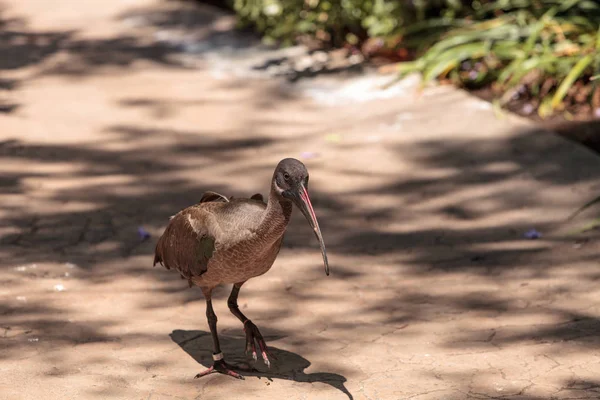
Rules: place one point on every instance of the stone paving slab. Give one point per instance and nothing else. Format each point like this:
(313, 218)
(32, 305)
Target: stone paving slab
(423, 198)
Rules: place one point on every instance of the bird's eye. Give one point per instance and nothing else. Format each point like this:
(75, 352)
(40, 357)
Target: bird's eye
(286, 176)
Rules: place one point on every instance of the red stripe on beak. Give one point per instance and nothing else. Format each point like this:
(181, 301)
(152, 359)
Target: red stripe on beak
(306, 199)
(309, 213)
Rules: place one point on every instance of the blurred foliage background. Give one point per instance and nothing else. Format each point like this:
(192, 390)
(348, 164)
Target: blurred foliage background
(528, 55)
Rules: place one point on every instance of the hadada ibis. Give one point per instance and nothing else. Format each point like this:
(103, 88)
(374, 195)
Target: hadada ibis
(224, 240)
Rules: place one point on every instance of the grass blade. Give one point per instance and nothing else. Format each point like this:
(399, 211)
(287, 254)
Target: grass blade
(584, 207)
(587, 227)
(566, 84)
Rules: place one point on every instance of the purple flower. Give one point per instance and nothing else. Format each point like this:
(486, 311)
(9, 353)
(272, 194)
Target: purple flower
(532, 234)
(144, 235)
(528, 108)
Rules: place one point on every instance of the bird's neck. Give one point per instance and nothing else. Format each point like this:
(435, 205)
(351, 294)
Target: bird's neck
(276, 217)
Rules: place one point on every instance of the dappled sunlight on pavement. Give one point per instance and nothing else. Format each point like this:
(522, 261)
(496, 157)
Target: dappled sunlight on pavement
(423, 200)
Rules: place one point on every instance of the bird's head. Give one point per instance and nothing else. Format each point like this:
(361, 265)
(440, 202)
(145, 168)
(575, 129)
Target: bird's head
(290, 181)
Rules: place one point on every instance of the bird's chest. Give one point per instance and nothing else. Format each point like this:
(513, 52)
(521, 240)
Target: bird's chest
(245, 260)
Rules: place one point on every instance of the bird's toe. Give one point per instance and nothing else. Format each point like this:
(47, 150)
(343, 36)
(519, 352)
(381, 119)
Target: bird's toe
(253, 337)
(226, 369)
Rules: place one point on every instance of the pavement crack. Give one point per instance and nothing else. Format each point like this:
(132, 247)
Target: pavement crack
(414, 396)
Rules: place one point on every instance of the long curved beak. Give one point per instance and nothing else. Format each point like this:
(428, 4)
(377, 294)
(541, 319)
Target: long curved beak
(303, 202)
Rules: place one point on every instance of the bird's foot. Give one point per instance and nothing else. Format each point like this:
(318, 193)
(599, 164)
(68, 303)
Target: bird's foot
(253, 335)
(220, 366)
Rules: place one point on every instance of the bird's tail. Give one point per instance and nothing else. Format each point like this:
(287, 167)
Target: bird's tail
(157, 255)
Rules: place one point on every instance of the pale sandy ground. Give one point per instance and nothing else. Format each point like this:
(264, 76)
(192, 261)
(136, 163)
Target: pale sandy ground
(423, 201)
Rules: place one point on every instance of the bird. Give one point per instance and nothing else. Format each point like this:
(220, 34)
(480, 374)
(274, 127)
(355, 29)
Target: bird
(222, 240)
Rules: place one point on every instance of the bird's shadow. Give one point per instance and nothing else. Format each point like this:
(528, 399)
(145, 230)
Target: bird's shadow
(287, 365)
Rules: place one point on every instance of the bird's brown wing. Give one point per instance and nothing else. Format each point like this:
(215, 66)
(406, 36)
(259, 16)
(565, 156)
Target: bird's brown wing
(213, 196)
(210, 196)
(258, 197)
(186, 245)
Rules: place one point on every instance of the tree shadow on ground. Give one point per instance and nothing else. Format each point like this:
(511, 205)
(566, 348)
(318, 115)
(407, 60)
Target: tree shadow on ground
(287, 365)
(461, 182)
(169, 24)
(488, 173)
(348, 228)
(6, 86)
(80, 56)
(584, 132)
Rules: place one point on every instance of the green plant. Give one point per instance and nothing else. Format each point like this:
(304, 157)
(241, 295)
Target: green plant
(546, 52)
(543, 48)
(336, 21)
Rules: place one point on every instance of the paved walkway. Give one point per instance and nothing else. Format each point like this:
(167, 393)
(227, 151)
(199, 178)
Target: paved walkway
(109, 122)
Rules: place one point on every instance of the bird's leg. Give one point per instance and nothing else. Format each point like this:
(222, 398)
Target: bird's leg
(252, 332)
(219, 364)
